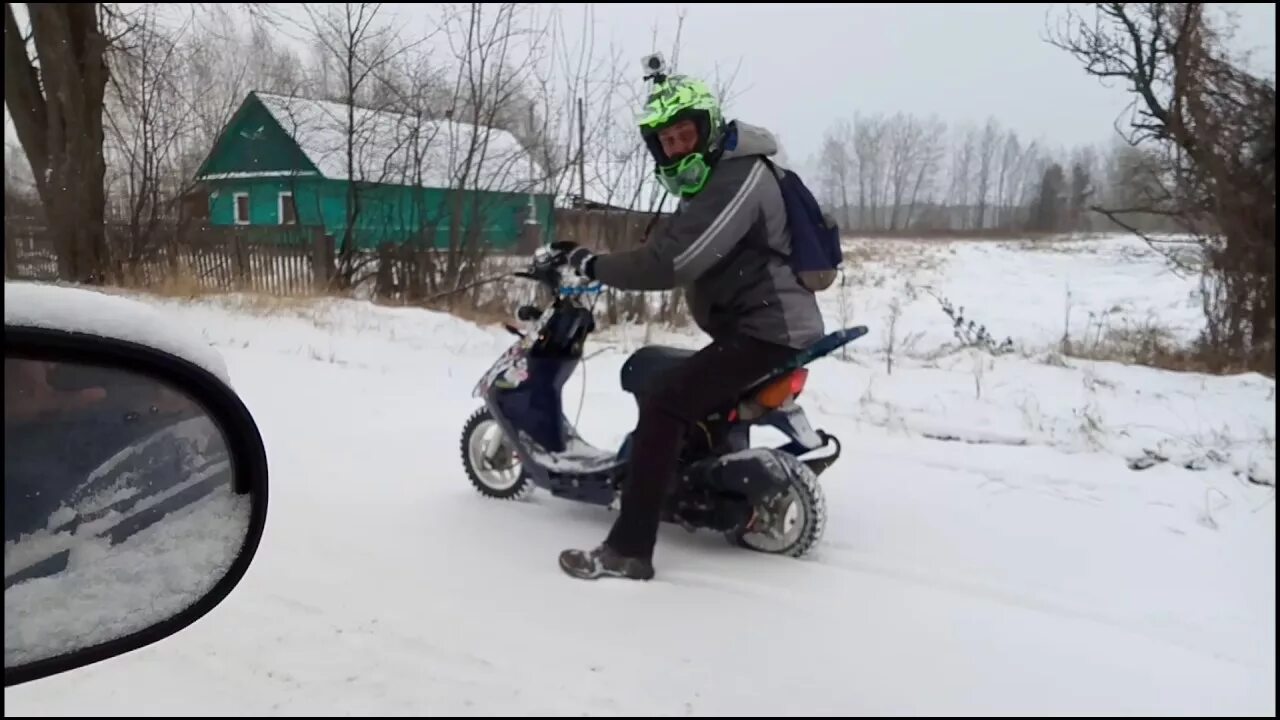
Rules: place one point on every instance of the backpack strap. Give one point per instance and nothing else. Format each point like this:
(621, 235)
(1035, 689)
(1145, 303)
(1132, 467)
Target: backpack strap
(773, 170)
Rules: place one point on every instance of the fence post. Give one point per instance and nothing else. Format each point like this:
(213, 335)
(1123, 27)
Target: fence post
(171, 249)
(321, 258)
(385, 282)
(416, 264)
(241, 260)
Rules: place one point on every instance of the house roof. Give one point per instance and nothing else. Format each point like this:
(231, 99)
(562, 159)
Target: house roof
(385, 142)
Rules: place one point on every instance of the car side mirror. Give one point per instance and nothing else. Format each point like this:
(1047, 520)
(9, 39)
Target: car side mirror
(135, 496)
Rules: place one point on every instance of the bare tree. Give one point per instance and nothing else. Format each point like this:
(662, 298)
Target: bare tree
(905, 137)
(963, 154)
(1082, 187)
(987, 146)
(1030, 170)
(147, 120)
(495, 49)
(1211, 125)
(868, 144)
(358, 45)
(928, 162)
(495, 131)
(1006, 182)
(836, 168)
(590, 142)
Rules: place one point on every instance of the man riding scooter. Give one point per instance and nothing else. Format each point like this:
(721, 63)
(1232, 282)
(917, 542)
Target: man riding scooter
(728, 247)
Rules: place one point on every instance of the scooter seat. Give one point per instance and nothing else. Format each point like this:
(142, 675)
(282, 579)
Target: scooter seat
(648, 364)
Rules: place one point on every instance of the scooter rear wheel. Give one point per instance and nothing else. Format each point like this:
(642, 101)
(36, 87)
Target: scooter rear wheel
(792, 523)
(491, 462)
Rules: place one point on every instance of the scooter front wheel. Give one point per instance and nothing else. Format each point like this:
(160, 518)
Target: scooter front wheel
(490, 459)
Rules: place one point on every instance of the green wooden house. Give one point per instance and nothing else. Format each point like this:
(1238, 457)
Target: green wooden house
(287, 161)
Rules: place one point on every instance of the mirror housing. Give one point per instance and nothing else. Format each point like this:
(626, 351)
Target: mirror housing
(183, 492)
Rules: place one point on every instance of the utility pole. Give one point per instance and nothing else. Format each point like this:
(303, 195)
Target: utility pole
(582, 153)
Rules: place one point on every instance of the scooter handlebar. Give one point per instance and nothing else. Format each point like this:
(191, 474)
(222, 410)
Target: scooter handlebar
(549, 269)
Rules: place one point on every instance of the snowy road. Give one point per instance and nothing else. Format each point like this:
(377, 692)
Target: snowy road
(1035, 574)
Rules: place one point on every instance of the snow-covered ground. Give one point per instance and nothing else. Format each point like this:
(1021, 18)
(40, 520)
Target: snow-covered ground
(990, 551)
(1030, 291)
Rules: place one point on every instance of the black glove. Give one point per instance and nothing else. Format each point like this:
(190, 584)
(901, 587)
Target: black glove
(579, 258)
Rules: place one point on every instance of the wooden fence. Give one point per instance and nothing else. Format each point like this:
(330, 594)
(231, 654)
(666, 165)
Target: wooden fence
(302, 260)
(263, 260)
(273, 260)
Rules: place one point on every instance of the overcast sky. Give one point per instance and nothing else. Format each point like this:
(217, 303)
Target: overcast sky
(803, 65)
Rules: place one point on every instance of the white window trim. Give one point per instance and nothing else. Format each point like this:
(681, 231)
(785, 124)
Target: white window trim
(235, 208)
(280, 196)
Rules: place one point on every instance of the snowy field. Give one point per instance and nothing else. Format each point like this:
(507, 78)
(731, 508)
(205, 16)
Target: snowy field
(1031, 291)
(990, 549)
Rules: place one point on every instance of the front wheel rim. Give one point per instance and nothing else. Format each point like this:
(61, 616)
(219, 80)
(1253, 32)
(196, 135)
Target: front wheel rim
(492, 457)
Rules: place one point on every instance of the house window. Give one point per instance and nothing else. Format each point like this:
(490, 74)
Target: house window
(241, 201)
(285, 209)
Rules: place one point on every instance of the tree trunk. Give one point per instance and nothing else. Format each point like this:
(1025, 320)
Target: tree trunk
(60, 126)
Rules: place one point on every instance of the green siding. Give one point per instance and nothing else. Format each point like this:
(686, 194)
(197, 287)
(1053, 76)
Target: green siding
(254, 143)
(387, 213)
(264, 204)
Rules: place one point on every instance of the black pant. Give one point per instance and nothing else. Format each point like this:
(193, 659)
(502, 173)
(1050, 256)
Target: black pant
(706, 382)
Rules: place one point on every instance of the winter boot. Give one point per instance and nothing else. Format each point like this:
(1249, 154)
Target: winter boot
(604, 562)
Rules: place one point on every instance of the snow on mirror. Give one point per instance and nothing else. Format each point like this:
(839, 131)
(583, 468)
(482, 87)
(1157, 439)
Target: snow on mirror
(119, 506)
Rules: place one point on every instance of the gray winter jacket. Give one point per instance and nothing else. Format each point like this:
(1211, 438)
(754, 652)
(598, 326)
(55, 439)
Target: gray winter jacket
(727, 247)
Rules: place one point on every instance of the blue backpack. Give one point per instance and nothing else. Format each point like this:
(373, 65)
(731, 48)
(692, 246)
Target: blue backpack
(815, 238)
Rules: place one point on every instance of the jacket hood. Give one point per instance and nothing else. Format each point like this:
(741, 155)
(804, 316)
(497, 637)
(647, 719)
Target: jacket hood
(742, 139)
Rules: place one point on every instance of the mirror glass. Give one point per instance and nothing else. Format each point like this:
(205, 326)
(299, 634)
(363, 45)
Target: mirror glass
(120, 508)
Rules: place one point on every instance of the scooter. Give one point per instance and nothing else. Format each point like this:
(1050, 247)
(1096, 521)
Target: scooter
(766, 499)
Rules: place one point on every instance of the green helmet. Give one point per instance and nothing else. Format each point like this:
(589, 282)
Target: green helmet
(672, 100)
